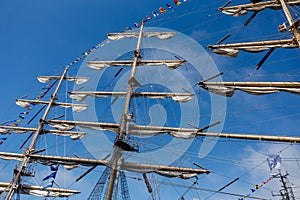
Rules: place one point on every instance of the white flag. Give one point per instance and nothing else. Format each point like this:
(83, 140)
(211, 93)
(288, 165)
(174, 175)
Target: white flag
(274, 161)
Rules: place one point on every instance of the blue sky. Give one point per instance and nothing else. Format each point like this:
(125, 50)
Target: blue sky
(41, 37)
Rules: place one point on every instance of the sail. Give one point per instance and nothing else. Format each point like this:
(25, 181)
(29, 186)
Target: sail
(36, 190)
(70, 163)
(137, 130)
(159, 35)
(75, 107)
(239, 10)
(256, 88)
(177, 97)
(232, 50)
(77, 80)
(99, 65)
(20, 130)
(183, 133)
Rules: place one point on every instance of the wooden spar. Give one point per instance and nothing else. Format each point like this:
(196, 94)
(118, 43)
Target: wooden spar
(249, 44)
(140, 167)
(134, 94)
(223, 39)
(161, 130)
(148, 185)
(13, 128)
(179, 97)
(105, 126)
(262, 4)
(94, 162)
(38, 188)
(159, 35)
(68, 78)
(123, 122)
(254, 84)
(28, 152)
(128, 63)
(252, 137)
(263, 60)
(53, 103)
(249, 5)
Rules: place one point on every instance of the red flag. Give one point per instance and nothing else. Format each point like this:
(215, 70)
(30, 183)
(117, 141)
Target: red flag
(162, 10)
(177, 2)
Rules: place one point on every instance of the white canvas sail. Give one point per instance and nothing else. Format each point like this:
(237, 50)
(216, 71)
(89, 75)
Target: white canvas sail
(255, 88)
(177, 97)
(71, 163)
(77, 80)
(37, 190)
(159, 35)
(75, 107)
(232, 50)
(100, 65)
(239, 10)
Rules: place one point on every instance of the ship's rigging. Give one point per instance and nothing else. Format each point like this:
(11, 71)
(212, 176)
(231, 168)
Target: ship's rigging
(124, 128)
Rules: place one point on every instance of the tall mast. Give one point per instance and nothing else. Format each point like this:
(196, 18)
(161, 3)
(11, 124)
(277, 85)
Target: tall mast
(124, 118)
(14, 184)
(289, 17)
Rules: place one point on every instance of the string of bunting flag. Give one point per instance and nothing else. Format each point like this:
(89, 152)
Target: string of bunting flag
(161, 10)
(274, 163)
(256, 187)
(22, 115)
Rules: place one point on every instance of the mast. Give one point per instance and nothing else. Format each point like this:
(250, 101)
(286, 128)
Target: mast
(290, 19)
(286, 193)
(14, 184)
(122, 130)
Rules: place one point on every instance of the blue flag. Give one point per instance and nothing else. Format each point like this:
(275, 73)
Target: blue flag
(49, 185)
(54, 167)
(52, 175)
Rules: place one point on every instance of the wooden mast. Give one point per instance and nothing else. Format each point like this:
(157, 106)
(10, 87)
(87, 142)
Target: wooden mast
(14, 184)
(289, 17)
(122, 130)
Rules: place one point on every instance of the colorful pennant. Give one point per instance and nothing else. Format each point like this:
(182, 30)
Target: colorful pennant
(256, 187)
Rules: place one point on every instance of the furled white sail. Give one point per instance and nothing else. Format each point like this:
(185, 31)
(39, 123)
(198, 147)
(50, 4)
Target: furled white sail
(62, 132)
(77, 80)
(226, 52)
(239, 10)
(159, 35)
(36, 190)
(137, 130)
(71, 163)
(233, 49)
(177, 97)
(75, 107)
(255, 88)
(100, 65)
(181, 175)
(90, 125)
(184, 133)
